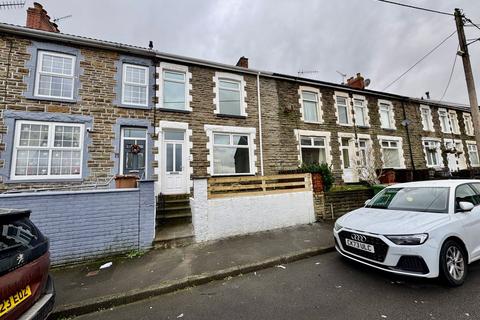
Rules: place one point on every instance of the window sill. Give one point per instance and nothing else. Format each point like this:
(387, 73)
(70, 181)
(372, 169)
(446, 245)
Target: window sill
(345, 124)
(313, 122)
(63, 100)
(66, 180)
(233, 175)
(132, 106)
(221, 115)
(363, 127)
(389, 129)
(174, 110)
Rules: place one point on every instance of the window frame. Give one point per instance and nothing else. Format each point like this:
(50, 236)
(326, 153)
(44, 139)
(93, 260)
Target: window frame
(426, 142)
(316, 101)
(185, 91)
(122, 146)
(467, 118)
(348, 107)
(313, 146)
(429, 120)
(453, 120)
(364, 106)
(472, 144)
(125, 82)
(399, 147)
(233, 78)
(232, 146)
(444, 129)
(51, 138)
(39, 72)
(391, 114)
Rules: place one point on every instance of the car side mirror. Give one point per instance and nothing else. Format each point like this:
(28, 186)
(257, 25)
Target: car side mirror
(367, 202)
(466, 206)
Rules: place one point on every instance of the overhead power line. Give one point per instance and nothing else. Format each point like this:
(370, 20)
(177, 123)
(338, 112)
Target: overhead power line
(415, 7)
(421, 59)
(451, 75)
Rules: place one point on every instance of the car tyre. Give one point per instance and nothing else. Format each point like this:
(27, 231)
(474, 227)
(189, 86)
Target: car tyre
(453, 263)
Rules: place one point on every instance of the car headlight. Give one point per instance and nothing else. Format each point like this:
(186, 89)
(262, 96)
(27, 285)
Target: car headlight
(337, 226)
(409, 240)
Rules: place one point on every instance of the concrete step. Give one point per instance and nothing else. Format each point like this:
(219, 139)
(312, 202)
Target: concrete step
(172, 235)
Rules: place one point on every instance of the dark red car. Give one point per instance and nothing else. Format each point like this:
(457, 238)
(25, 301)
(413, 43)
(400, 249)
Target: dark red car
(26, 289)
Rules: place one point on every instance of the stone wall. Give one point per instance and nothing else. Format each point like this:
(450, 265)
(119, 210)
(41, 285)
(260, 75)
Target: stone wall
(85, 225)
(331, 205)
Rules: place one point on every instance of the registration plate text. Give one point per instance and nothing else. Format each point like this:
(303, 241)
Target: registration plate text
(360, 245)
(9, 304)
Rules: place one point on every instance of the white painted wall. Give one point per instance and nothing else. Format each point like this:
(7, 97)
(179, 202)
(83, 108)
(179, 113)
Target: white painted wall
(225, 217)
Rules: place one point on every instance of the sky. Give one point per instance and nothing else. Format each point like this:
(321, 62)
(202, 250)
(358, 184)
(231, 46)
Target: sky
(379, 40)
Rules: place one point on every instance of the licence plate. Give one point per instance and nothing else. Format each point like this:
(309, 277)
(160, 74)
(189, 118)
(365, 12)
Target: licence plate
(360, 245)
(9, 304)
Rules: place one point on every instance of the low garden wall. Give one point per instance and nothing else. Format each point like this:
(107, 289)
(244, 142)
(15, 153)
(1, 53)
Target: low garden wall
(225, 216)
(88, 224)
(333, 204)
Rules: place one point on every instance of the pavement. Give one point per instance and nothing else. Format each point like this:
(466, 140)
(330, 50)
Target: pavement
(83, 289)
(321, 287)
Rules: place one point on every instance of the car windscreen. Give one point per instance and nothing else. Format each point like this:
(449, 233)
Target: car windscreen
(424, 199)
(20, 237)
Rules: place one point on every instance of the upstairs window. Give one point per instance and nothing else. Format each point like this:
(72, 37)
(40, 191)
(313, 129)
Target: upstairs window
(361, 112)
(455, 128)
(230, 97)
(342, 103)
(467, 119)
(427, 121)
(313, 150)
(45, 150)
(135, 85)
(444, 121)
(310, 106)
(174, 90)
(55, 75)
(431, 148)
(387, 120)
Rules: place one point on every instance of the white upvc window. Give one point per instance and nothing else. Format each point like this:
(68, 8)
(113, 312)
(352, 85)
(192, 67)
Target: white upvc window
(444, 121)
(392, 152)
(313, 149)
(427, 120)
(455, 128)
(363, 152)
(135, 85)
(473, 153)
(174, 89)
(55, 76)
(467, 119)
(310, 105)
(47, 150)
(360, 109)
(230, 94)
(387, 118)
(431, 149)
(343, 109)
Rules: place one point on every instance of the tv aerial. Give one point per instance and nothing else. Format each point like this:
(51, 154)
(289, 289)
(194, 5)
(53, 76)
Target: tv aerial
(11, 4)
(55, 20)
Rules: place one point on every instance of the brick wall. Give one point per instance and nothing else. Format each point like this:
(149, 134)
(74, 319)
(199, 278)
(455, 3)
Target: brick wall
(89, 224)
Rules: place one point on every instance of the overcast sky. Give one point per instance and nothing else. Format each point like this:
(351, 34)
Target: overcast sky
(379, 40)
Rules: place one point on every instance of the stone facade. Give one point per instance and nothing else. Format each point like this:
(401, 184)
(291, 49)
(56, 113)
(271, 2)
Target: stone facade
(281, 113)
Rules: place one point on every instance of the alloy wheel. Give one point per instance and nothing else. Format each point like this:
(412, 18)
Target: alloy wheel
(455, 263)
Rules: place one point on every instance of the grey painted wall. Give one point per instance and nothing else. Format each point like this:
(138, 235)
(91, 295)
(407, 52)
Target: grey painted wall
(89, 224)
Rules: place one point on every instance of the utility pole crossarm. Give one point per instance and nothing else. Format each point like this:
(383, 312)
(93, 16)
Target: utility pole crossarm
(467, 66)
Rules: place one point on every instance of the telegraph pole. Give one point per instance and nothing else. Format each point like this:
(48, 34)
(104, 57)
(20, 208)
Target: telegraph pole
(467, 66)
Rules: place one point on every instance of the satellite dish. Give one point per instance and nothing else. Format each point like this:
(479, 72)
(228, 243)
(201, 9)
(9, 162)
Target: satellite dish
(367, 82)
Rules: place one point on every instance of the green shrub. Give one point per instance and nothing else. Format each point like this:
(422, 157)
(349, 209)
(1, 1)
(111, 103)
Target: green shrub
(324, 169)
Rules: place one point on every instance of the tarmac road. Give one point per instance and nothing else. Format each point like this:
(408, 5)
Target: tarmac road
(323, 287)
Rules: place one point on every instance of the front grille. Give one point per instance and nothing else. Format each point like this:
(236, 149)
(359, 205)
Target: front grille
(413, 264)
(381, 248)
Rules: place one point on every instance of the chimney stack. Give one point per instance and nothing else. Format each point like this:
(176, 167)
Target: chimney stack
(243, 62)
(37, 18)
(357, 82)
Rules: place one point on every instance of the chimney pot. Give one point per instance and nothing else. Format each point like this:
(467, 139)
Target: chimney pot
(242, 62)
(37, 18)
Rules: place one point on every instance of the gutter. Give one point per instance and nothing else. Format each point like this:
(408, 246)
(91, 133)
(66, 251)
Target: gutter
(154, 54)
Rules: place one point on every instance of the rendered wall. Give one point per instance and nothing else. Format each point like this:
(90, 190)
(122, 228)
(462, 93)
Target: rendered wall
(226, 217)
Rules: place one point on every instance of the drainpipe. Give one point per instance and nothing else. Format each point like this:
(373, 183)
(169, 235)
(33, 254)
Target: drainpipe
(406, 123)
(260, 132)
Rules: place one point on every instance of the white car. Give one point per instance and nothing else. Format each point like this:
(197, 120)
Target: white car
(425, 229)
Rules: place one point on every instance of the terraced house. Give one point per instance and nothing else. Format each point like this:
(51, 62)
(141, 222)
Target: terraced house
(76, 110)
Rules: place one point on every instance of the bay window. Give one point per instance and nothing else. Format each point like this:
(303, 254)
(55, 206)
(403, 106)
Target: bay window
(47, 150)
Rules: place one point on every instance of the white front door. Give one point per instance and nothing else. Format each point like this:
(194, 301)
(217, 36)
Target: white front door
(174, 176)
(348, 160)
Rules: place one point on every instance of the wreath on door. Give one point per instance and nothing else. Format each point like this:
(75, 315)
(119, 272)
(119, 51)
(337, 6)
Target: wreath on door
(135, 148)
